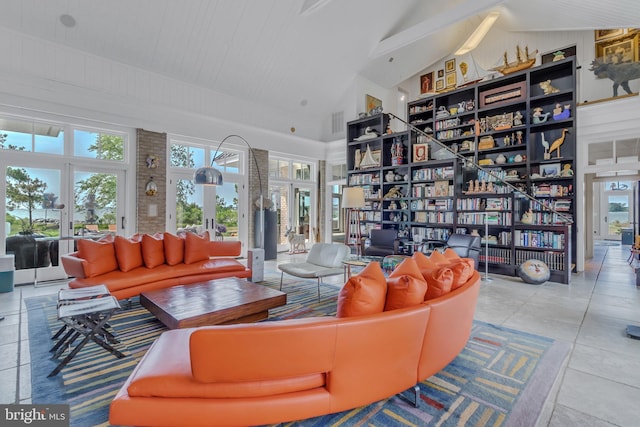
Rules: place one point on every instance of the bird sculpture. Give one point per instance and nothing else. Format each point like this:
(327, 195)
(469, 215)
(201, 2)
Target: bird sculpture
(545, 144)
(555, 146)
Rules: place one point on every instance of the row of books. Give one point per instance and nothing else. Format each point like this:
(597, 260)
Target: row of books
(448, 123)
(554, 260)
(550, 190)
(369, 215)
(481, 203)
(492, 218)
(433, 217)
(445, 172)
(539, 239)
(496, 256)
(428, 233)
(439, 189)
(364, 178)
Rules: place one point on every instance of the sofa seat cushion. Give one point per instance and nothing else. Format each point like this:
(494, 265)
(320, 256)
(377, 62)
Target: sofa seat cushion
(117, 280)
(165, 371)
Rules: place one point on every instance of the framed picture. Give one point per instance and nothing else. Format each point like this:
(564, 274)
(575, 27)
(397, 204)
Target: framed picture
(607, 34)
(441, 188)
(440, 74)
(550, 170)
(450, 65)
(439, 84)
(451, 79)
(426, 83)
(618, 51)
(420, 152)
(373, 104)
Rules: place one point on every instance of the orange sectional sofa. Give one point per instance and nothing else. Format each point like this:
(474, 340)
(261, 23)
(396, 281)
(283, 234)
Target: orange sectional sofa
(141, 263)
(384, 340)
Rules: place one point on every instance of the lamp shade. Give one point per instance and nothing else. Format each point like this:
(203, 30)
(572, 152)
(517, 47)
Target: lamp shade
(208, 176)
(352, 197)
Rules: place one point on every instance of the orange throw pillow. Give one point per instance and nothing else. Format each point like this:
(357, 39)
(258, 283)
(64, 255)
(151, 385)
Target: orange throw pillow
(462, 271)
(100, 257)
(173, 249)
(438, 258)
(196, 248)
(363, 294)
(152, 250)
(451, 254)
(439, 278)
(128, 252)
(439, 281)
(405, 286)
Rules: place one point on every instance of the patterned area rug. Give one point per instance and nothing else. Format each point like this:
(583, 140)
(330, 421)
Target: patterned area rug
(502, 377)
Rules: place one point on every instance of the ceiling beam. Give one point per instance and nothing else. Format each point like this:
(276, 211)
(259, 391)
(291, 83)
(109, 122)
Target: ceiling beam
(460, 12)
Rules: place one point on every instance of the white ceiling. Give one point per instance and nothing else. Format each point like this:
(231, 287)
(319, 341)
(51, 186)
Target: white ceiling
(300, 56)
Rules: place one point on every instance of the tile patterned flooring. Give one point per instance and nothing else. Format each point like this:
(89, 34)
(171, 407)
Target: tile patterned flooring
(599, 385)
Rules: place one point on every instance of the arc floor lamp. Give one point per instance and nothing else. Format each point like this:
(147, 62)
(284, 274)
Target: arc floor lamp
(208, 175)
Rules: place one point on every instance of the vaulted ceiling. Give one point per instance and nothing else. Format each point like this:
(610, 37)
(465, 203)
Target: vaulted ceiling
(300, 56)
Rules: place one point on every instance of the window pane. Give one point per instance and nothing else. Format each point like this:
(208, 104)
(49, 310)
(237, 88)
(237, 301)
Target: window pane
(227, 161)
(227, 211)
(189, 204)
(98, 145)
(31, 136)
(94, 210)
(278, 168)
(302, 171)
(184, 156)
(338, 172)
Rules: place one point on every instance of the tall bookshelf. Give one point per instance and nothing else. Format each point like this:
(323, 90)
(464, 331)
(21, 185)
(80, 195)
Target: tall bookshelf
(508, 126)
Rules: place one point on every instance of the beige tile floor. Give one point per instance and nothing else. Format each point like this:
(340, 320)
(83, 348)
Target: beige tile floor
(599, 385)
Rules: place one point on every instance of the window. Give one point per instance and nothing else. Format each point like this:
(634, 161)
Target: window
(98, 145)
(278, 168)
(227, 161)
(302, 171)
(185, 156)
(24, 135)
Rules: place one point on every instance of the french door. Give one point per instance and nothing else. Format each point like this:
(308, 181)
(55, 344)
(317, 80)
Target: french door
(295, 212)
(49, 208)
(617, 208)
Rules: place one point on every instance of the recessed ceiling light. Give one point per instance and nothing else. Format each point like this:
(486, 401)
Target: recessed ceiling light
(304, 102)
(68, 20)
(391, 59)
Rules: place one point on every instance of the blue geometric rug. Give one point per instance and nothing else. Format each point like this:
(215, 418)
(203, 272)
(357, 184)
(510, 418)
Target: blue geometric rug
(502, 377)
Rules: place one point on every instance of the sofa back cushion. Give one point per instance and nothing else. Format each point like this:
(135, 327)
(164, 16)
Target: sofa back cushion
(328, 255)
(364, 293)
(153, 250)
(173, 249)
(99, 257)
(128, 252)
(196, 248)
(405, 286)
(439, 277)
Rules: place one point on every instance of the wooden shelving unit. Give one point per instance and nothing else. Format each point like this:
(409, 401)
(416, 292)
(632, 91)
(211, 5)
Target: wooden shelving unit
(508, 126)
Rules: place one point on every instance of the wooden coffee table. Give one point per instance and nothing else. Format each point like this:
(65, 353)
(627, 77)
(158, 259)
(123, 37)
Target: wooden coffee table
(216, 302)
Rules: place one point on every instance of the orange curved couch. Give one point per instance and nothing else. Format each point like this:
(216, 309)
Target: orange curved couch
(271, 372)
(127, 269)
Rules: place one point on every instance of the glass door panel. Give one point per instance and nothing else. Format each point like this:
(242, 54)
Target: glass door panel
(279, 195)
(95, 204)
(618, 214)
(34, 214)
(226, 211)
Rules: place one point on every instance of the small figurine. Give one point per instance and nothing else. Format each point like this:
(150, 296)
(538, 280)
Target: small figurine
(547, 88)
(517, 119)
(388, 131)
(470, 189)
(566, 170)
(539, 116)
(519, 136)
(490, 188)
(561, 113)
(483, 186)
(507, 140)
(476, 188)
(555, 146)
(527, 217)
